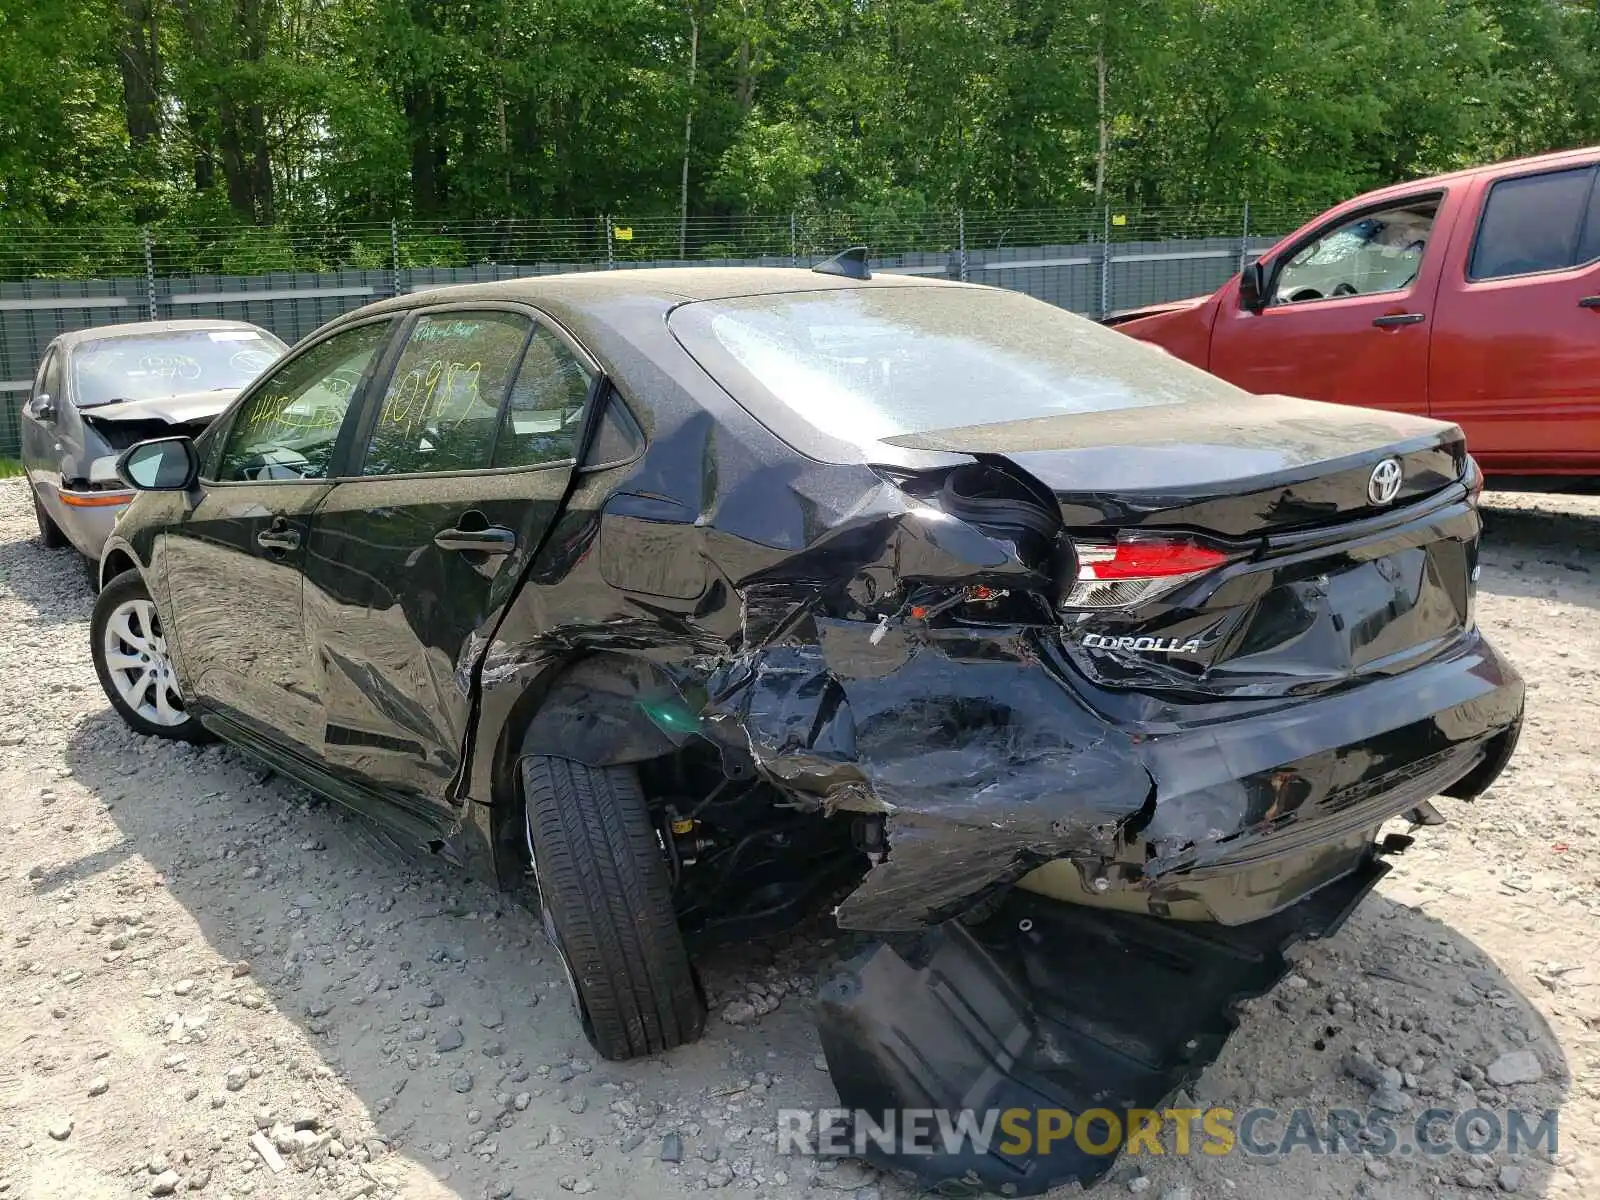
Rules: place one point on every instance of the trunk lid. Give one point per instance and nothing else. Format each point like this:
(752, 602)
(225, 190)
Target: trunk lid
(1237, 466)
(1318, 575)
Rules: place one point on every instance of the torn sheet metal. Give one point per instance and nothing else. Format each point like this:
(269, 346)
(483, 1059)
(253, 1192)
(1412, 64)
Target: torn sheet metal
(984, 763)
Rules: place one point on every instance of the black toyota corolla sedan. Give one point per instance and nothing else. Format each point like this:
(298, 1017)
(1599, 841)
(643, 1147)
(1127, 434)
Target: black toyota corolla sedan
(695, 599)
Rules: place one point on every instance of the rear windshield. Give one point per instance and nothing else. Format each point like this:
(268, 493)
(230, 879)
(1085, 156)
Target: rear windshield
(151, 366)
(868, 364)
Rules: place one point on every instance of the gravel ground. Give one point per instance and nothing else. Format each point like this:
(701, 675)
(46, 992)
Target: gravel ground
(202, 969)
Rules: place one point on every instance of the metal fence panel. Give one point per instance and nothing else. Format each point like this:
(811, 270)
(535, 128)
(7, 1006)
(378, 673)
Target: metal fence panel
(1090, 262)
(32, 313)
(291, 304)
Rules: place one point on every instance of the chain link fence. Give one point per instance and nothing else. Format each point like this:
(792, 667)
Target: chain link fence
(291, 279)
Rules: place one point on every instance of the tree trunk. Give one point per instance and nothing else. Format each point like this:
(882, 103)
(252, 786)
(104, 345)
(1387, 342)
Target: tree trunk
(427, 155)
(205, 163)
(1104, 123)
(688, 138)
(747, 77)
(242, 145)
(139, 60)
(235, 163)
(261, 189)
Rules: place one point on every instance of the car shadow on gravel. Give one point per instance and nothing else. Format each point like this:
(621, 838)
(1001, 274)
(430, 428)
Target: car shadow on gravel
(1397, 987)
(54, 584)
(381, 955)
(1569, 539)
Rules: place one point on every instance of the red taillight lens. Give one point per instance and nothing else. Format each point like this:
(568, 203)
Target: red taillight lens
(1136, 570)
(1472, 476)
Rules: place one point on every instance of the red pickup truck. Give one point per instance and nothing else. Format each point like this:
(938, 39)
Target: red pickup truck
(1472, 297)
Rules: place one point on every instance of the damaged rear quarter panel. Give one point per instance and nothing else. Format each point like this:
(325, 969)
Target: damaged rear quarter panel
(968, 740)
(752, 578)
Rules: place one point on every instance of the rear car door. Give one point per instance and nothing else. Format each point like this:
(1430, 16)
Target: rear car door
(1516, 345)
(464, 460)
(1349, 310)
(232, 563)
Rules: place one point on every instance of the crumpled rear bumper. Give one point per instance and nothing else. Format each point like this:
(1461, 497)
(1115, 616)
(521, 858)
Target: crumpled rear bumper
(1047, 1006)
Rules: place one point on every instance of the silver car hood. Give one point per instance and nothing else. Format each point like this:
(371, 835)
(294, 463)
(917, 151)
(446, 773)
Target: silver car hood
(180, 409)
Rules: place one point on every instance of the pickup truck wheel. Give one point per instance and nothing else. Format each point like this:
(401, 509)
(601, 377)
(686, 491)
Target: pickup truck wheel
(606, 902)
(130, 657)
(50, 535)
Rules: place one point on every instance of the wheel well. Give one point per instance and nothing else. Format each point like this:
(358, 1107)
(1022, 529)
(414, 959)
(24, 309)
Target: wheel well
(115, 563)
(742, 857)
(604, 688)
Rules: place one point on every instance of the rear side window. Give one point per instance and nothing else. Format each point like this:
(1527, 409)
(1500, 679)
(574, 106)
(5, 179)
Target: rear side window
(1589, 241)
(546, 407)
(443, 403)
(1535, 223)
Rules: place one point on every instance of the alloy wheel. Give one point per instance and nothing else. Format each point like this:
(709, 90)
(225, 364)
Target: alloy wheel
(136, 659)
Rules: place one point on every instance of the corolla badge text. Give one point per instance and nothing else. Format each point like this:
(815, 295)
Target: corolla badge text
(1144, 645)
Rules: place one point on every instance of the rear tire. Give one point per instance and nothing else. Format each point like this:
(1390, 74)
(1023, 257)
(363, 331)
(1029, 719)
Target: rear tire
(606, 901)
(50, 535)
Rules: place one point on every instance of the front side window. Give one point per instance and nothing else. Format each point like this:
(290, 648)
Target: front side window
(443, 403)
(1531, 224)
(288, 428)
(151, 366)
(1368, 255)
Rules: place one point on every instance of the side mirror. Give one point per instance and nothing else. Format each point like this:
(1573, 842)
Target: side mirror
(1253, 287)
(169, 464)
(42, 407)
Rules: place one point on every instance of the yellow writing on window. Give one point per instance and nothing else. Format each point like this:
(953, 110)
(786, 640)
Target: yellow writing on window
(423, 395)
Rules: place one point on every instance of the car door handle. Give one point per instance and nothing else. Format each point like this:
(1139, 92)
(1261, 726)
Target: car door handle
(1395, 320)
(278, 537)
(493, 540)
(1589, 302)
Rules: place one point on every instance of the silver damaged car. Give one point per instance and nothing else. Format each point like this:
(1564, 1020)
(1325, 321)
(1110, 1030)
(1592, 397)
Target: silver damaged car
(98, 391)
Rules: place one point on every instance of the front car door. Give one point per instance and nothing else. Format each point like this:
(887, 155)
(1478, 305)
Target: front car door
(464, 460)
(231, 564)
(1516, 345)
(38, 422)
(1349, 309)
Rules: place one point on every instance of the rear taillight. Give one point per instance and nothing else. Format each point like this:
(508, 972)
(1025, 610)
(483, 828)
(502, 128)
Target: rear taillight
(1134, 570)
(1472, 476)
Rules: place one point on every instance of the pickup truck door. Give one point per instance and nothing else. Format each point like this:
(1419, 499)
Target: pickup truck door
(1516, 342)
(1349, 308)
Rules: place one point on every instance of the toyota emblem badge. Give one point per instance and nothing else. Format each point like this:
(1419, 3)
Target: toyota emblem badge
(1384, 485)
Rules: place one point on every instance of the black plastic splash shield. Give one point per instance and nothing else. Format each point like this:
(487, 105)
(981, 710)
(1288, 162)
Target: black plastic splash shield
(1049, 1006)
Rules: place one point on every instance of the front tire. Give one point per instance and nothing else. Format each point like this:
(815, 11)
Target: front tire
(606, 901)
(50, 535)
(130, 657)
